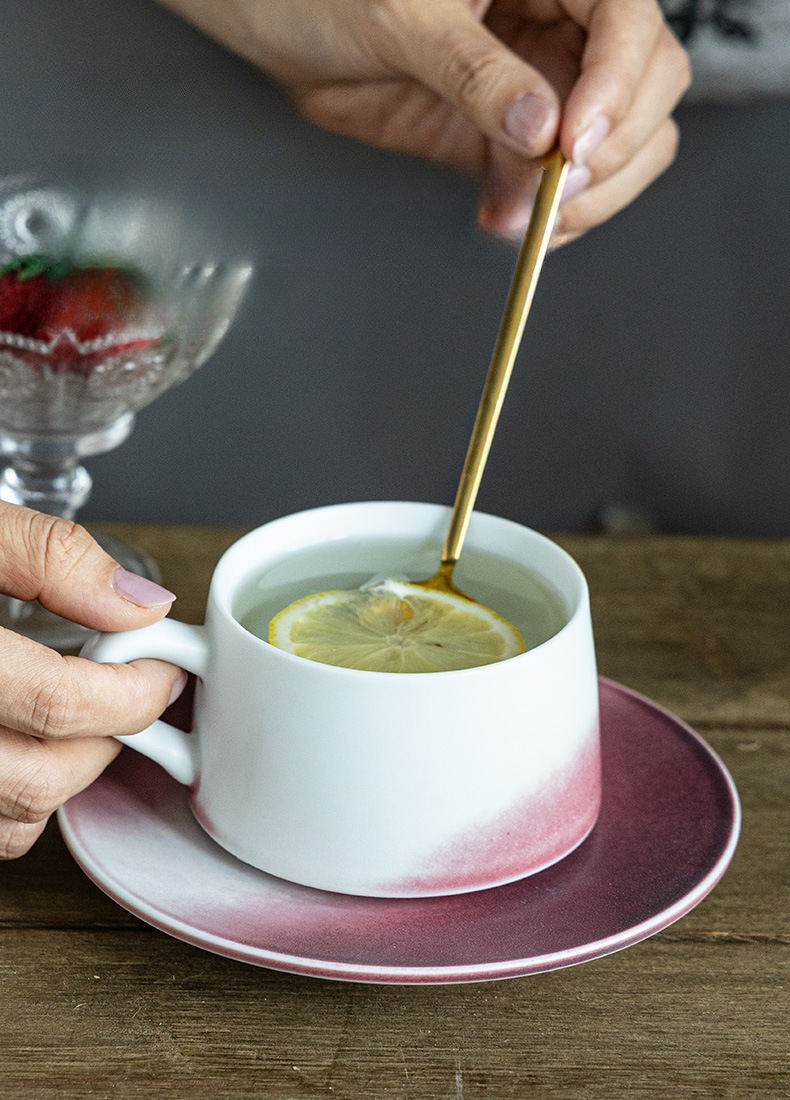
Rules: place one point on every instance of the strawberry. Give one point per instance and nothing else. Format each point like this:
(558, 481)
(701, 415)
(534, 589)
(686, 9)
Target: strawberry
(23, 287)
(92, 302)
(46, 298)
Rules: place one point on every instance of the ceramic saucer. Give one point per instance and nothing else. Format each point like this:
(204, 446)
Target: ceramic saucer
(666, 834)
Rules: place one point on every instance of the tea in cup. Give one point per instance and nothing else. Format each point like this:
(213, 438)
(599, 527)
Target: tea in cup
(383, 783)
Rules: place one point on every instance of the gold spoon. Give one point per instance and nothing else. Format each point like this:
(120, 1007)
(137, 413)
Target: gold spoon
(519, 300)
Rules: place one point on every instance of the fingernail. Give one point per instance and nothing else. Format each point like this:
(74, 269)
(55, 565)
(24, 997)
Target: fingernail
(139, 590)
(527, 118)
(578, 177)
(178, 687)
(590, 140)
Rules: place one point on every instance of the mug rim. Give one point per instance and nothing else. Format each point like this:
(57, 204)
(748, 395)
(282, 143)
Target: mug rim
(224, 585)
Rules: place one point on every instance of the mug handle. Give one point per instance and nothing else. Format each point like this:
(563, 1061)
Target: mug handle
(168, 640)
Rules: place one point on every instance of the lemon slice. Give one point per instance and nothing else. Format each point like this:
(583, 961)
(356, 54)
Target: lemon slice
(394, 627)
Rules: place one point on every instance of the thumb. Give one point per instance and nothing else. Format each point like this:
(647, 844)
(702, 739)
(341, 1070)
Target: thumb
(445, 46)
(57, 562)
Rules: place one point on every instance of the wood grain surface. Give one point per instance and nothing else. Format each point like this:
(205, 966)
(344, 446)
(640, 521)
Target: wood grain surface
(97, 1004)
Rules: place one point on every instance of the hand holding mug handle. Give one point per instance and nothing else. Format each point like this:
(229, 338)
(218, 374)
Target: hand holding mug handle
(182, 645)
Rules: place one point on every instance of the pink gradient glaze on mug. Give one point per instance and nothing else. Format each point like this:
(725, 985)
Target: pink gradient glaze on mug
(382, 784)
(537, 831)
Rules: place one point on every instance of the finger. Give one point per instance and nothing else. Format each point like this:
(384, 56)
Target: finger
(559, 239)
(596, 203)
(16, 839)
(621, 38)
(36, 777)
(665, 80)
(44, 694)
(400, 115)
(509, 189)
(443, 45)
(57, 562)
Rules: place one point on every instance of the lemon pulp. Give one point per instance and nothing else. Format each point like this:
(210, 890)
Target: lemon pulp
(394, 627)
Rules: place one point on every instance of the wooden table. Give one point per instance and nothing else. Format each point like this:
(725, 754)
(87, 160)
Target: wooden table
(97, 1004)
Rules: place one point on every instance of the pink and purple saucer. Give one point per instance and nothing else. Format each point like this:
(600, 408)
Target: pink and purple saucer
(667, 832)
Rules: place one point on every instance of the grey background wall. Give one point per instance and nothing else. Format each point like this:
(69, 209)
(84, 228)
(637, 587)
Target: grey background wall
(654, 371)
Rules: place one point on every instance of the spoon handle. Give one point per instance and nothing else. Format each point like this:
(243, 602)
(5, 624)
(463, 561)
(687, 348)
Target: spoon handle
(519, 300)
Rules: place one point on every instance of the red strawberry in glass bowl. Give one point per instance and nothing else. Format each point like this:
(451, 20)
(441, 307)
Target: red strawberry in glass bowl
(91, 302)
(22, 291)
(75, 317)
(108, 298)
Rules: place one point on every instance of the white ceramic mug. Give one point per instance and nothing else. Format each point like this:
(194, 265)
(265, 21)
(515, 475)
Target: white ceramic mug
(383, 784)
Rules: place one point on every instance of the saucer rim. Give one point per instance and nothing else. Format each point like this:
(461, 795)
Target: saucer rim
(422, 975)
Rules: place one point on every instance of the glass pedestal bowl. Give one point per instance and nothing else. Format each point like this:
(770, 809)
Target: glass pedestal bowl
(70, 388)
